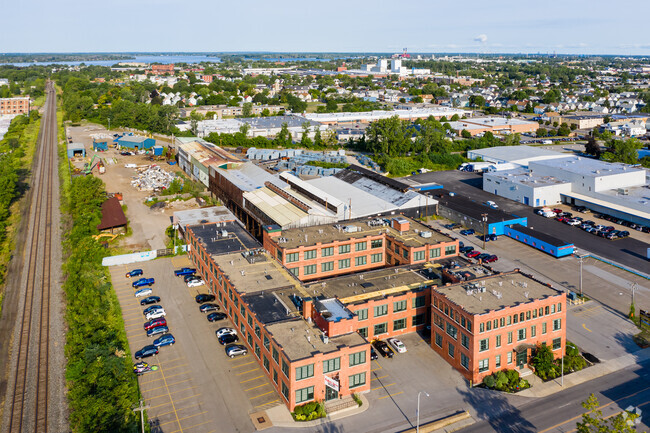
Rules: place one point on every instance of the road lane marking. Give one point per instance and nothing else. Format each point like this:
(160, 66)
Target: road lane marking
(585, 326)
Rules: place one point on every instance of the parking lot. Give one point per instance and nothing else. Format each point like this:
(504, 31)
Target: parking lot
(196, 388)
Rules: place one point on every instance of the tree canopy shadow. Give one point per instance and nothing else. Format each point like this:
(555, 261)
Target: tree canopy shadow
(494, 408)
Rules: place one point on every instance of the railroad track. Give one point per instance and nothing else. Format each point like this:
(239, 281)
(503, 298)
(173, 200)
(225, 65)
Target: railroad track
(27, 397)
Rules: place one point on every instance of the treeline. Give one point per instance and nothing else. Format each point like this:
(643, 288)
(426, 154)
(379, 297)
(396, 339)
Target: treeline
(13, 173)
(102, 388)
(401, 146)
(322, 140)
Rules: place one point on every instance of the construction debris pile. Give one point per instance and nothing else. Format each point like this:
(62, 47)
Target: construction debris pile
(151, 178)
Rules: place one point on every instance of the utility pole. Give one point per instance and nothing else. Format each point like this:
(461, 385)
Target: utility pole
(581, 257)
(484, 217)
(141, 409)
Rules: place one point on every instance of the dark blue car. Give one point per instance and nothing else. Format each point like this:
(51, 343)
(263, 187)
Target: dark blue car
(146, 351)
(165, 340)
(184, 271)
(134, 273)
(143, 282)
(467, 232)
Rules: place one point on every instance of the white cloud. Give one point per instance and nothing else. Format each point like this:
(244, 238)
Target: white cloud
(482, 38)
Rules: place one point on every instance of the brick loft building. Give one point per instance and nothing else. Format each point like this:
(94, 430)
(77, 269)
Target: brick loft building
(260, 297)
(14, 106)
(324, 251)
(162, 69)
(492, 323)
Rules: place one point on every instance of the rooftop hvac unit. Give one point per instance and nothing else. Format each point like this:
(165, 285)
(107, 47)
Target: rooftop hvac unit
(350, 229)
(426, 234)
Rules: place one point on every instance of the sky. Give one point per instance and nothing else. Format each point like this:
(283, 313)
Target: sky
(422, 26)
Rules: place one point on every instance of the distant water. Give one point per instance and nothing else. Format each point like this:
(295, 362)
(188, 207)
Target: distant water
(140, 59)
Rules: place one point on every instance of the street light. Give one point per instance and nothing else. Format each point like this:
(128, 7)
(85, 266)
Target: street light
(417, 425)
(484, 217)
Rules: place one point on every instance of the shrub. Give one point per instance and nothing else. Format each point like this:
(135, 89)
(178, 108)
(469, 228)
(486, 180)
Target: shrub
(308, 411)
(357, 399)
(489, 381)
(513, 376)
(501, 381)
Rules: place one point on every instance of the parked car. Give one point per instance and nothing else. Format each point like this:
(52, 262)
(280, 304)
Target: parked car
(557, 211)
(397, 345)
(146, 351)
(383, 348)
(208, 307)
(373, 354)
(215, 317)
(227, 339)
(195, 283)
(158, 330)
(492, 204)
(623, 234)
(483, 256)
(466, 249)
(236, 350)
(493, 237)
(134, 273)
(561, 219)
(612, 235)
(155, 314)
(573, 222)
(142, 367)
(223, 331)
(184, 271)
(165, 340)
(143, 282)
(155, 323)
(472, 254)
(204, 297)
(151, 309)
(491, 259)
(467, 232)
(150, 300)
(143, 292)
(190, 277)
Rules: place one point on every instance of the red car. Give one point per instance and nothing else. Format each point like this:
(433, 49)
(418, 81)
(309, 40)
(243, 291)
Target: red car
(558, 211)
(562, 219)
(491, 259)
(153, 323)
(473, 254)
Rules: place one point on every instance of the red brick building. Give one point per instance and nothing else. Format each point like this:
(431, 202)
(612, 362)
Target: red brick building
(323, 251)
(493, 323)
(14, 106)
(162, 69)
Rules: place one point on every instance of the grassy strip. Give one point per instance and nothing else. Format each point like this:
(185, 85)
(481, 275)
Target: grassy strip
(102, 388)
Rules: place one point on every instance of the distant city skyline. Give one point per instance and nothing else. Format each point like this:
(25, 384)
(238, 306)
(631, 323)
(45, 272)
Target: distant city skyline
(73, 26)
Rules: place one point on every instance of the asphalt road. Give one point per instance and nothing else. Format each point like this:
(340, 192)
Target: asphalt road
(560, 412)
(629, 252)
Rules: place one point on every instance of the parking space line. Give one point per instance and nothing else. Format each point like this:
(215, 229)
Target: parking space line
(249, 380)
(175, 383)
(241, 365)
(377, 378)
(249, 371)
(187, 417)
(391, 395)
(193, 426)
(380, 367)
(176, 366)
(162, 372)
(261, 395)
(265, 404)
(173, 392)
(258, 386)
(184, 408)
(182, 358)
(177, 374)
(383, 386)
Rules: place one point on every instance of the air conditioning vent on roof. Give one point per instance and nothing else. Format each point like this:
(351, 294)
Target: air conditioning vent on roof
(426, 234)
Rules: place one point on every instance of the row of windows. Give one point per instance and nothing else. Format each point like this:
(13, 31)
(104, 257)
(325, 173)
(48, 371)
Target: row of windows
(399, 324)
(329, 365)
(343, 264)
(452, 314)
(382, 310)
(521, 317)
(522, 334)
(329, 251)
(484, 364)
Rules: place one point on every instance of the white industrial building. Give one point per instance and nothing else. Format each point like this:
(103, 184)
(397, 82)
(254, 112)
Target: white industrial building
(613, 188)
(372, 116)
(260, 126)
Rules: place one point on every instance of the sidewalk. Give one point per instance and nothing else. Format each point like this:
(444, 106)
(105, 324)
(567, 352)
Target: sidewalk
(551, 387)
(281, 417)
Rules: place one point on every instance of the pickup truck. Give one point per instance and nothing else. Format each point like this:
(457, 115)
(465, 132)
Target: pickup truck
(143, 282)
(184, 271)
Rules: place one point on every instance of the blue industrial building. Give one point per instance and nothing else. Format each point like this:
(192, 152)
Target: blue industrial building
(100, 144)
(158, 150)
(540, 241)
(76, 150)
(135, 142)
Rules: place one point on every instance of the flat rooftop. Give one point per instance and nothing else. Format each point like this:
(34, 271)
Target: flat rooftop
(327, 233)
(268, 307)
(471, 208)
(376, 284)
(223, 238)
(203, 215)
(541, 236)
(254, 273)
(525, 177)
(516, 153)
(300, 340)
(468, 272)
(501, 291)
(588, 166)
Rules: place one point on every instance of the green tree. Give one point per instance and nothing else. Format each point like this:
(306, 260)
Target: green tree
(245, 128)
(331, 106)
(477, 101)
(592, 147)
(465, 134)
(543, 362)
(563, 130)
(305, 141)
(247, 109)
(542, 132)
(318, 139)
(625, 151)
(594, 422)
(283, 138)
